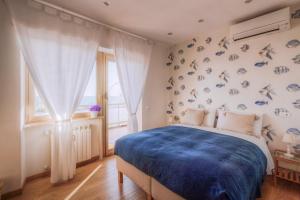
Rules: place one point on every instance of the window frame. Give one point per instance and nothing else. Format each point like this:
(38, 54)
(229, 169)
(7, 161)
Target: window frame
(30, 116)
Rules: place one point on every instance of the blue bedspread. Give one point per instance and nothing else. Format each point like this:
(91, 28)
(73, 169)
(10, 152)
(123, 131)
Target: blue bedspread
(197, 164)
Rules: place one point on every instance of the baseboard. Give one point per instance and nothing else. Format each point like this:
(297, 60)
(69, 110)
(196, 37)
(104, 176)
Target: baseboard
(12, 194)
(36, 176)
(86, 162)
(47, 173)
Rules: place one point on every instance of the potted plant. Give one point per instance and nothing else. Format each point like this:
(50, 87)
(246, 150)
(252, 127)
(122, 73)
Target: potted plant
(94, 110)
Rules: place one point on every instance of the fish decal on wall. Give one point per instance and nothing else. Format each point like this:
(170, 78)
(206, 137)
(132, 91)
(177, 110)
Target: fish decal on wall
(170, 107)
(248, 1)
(219, 53)
(171, 59)
(296, 14)
(206, 60)
(233, 57)
(297, 104)
(176, 67)
(267, 51)
(201, 78)
(194, 65)
(281, 112)
(268, 133)
(182, 60)
(223, 107)
(209, 70)
(208, 40)
(176, 118)
(176, 93)
(242, 107)
(296, 59)
(260, 64)
(180, 103)
(191, 100)
(182, 87)
(294, 131)
(190, 45)
(200, 106)
(241, 71)
(206, 90)
(261, 103)
(190, 73)
(171, 81)
(224, 43)
(224, 76)
(233, 92)
(245, 84)
(292, 43)
(180, 51)
(180, 78)
(200, 48)
(209, 101)
(267, 91)
(220, 85)
(281, 70)
(294, 87)
(194, 93)
(245, 48)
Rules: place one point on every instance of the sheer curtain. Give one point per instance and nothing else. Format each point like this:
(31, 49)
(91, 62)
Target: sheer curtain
(60, 51)
(132, 57)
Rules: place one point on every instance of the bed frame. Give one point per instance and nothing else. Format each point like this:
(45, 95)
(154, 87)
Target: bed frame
(152, 187)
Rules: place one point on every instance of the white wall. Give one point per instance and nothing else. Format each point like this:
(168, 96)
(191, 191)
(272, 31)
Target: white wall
(155, 96)
(10, 157)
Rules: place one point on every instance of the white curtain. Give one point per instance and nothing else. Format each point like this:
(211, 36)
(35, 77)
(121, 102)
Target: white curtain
(60, 51)
(132, 57)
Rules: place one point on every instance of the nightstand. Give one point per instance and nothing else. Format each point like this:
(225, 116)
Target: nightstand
(287, 168)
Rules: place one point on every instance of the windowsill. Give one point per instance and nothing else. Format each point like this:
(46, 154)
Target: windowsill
(50, 122)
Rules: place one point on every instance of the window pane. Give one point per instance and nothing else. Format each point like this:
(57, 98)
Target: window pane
(90, 95)
(39, 108)
(89, 98)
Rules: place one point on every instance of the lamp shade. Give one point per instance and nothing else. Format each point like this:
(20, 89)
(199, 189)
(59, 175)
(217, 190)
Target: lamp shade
(288, 138)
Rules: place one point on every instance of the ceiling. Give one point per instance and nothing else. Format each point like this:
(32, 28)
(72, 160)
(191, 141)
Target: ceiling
(154, 19)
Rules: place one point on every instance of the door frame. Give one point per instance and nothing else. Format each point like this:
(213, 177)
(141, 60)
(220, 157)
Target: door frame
(102, 59)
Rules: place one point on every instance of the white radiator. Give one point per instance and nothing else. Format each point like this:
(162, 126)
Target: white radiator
(83, 142)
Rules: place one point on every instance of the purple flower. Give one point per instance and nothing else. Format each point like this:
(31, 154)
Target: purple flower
(95, 108)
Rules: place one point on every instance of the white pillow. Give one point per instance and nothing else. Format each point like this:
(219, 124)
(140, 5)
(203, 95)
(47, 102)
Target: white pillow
(193, 117)
(209, 118)
(236, 122)
(258, 123)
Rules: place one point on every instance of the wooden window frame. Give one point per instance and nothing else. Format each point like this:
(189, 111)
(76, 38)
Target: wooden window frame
(30, 116)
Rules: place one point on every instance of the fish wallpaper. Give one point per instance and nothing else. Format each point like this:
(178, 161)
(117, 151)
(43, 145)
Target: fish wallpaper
(256, 75)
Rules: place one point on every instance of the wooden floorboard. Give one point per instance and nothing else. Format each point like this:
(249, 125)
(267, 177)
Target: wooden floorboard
(104, 186)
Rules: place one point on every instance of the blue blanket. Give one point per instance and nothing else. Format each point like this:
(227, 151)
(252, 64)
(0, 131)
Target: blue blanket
(197, 164)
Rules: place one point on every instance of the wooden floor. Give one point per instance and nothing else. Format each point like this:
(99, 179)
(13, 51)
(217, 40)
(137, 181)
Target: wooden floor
(103, 185)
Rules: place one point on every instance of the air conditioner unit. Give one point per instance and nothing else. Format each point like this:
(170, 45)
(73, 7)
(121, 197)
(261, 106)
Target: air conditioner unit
(269, 23)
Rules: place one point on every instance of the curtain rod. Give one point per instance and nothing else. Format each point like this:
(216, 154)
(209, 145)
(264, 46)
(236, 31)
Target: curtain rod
(89, 19)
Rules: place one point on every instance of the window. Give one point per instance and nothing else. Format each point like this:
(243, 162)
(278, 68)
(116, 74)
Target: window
(36, 111)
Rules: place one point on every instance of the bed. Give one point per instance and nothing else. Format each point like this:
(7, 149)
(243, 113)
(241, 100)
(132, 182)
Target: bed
(192, 162)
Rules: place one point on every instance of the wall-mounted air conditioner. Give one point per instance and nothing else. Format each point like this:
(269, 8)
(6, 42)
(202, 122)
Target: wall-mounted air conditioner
(269, 23)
